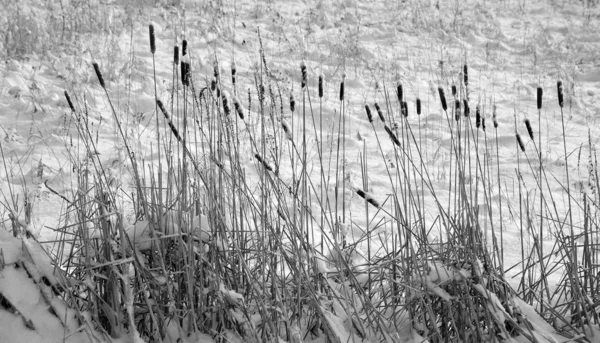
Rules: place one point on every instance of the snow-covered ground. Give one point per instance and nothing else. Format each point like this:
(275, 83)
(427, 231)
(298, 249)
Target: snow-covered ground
(511, 48)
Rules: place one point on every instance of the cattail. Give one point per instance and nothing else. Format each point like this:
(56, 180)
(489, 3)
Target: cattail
(494, 117)
(483, 123)
(304, 74)
(99, 75)
(443, 99)
(369, 113)
(69, 101)
(226, 109)
(454, 91)
(169, 122)
(457, 109)
(342, 91)
(286, 129)
(379, 112)
(559, 88)
(320, 86)
(292, 103)
(520, 142)
(467, 109)
(264, 163)
(368, 197)
(404, 109)
(233, 73)
(466, 75)
(400, 93)
(216, 69)
(529, 129)
(392, 135)
(213, 85)
(477, 116)
(176, 55)
(185, 77)
(418, 106)
(184, 47)
(238, 107)
(152, 39)
(540, 92)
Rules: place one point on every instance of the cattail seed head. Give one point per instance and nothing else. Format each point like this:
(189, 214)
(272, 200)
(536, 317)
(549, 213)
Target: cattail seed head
(392, 135)
(477, 116)
(99, 75)
(169, 122)
(418, 106)
(368, 110)
(467, 109)
(184, 47)
(483, 123)
(286, 130)
(342, 91)
(520, 142)
(529, 129)
(213, 85)
(559, 89)
(216, 69)
(185, 77)
(368, 197)
(443, 98)
(454, 90)
(69, 102)
(152, 39)
(466, 75)
(540, 93)
(495, 120)
(400, 93)
(320, 86)
(292, 103)
(176, 55)
(225, 98)
(263, 162)
(380, 113)
(457, 109)
(404, 109)
(238, 107)
(304, 74)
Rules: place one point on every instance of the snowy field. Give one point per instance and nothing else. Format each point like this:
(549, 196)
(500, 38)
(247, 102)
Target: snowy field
(315, 171)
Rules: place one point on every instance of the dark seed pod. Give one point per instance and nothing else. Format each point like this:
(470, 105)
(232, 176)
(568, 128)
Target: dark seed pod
(466, 75)
(69, 102)
(184, 47)
(263, 162)
(304, 74)
(226, 108)
(213, 85)
(176, 55)
(152, 39)
(238, 108)
(379, 112)
(418, 106)
(342, 91)
(477, 116)
(520, 142)
(529, 129)
(292, 103)
(454, 91)
(99, 75)
(400, 93)
(185, 69)
(392, 135)
(457, 109)
(216, 69)
(169, 122)
(367, 197)
(320, 86)
(559, 89)
(369, 113)
(443, 99)
(233, 72)
(483, 123)
(495, 120)
(467, 109)
(404, 109)
(540, 93)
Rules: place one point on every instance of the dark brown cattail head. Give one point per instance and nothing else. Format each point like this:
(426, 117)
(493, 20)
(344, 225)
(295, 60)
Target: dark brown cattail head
(457, 109)
(263, 162)
(540, 93)
(454, 91)
(320, 86)
(152, 39)
(162, 109)
(400, 93)
(494, 118)
(185, 70)
(529, 129)
(99, 75)
(304, 74)
(176, 55)
(292, 103)
(483, 123)
(520, 142)
(559, 89)
(216, 69)
(466, 108)
(368, 197)
(69, 102)
(238, 107)
(169, 122)
(225, 98)
(418, 106)
(477, 116)
(342, 91)
(466, 75)
(184, 47)
(369, 113)
(392, 135)
(404, 109)
(380, 112)
(443, 98)
(213, 85)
